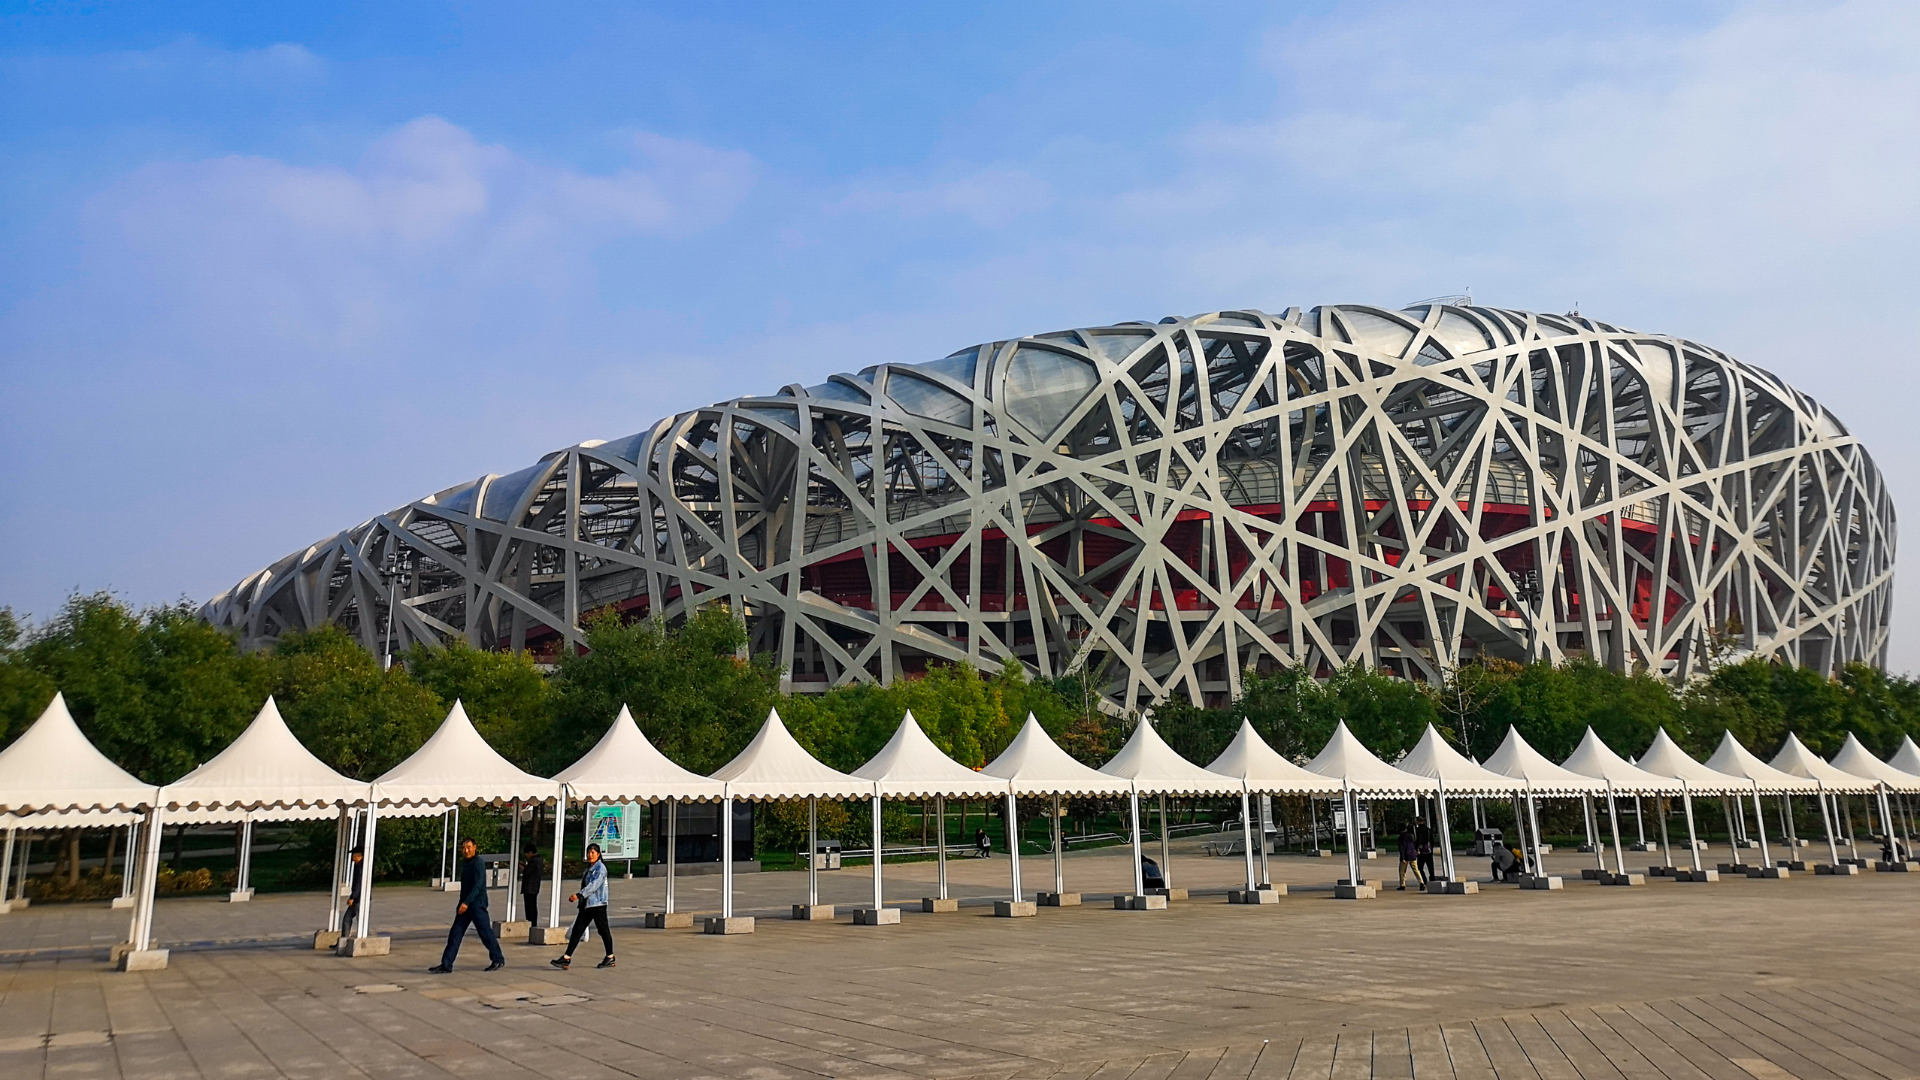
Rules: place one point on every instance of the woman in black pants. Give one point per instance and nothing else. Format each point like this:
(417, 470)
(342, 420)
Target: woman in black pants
(592, 899)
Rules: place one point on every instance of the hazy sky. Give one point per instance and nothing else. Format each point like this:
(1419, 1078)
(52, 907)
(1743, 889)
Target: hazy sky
(264, 274)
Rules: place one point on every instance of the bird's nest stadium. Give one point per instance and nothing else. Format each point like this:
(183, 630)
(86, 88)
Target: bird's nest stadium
(1171, 504)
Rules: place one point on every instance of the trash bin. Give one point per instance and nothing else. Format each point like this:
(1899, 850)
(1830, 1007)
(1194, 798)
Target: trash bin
(1485, 840)
(499, 870)
(826, 855)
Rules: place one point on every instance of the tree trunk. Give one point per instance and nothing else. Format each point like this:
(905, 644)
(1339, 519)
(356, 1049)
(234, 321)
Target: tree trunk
(73, 858)
(179, 848)
(113, 845)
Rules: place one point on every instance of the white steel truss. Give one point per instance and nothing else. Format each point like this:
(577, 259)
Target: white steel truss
(1172, 504)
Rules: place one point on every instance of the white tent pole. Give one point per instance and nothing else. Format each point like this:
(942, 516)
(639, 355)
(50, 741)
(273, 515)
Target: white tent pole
(1786, 821)
(1666, 846)
(1166, 853)
(142, 936)
(1313, 821)
(559, 854)
(6, 868)
(726, 855)
(26, 859)
(1613, 817)
(1593, 841)
(340, 829)
(673, 845)
(1533, 822)
(813, 850)
(1353, 820)
(513, 862)
(1733, 842)
(1133, 808)
(446, 824)
(1846, 814)
(1059, 847)
(1760, 822)
(940, 819)
(1826, 819)
(1445, 833)
(364, 914)
(1693, 842)
(1886, 823)
(1246, 831)
(453, 849)
(879, 848)
(244, 876)
(127, 862)
(1639, 822)
(1266, 808)
(1013, 843)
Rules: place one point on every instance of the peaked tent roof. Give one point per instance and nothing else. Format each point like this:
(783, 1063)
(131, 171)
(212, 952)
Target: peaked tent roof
(1458, 774)
(1795, 758)
(911, 766)
(1517, 758)
(1907, 758)
(1737, 760)
(1249, 759)
(457, 766)
(1345, 757)
(774, 766)
(52, 766)
(1667, 759)
(623, 766)
(264, 768)
(1595, 758)
(1858, 760)
(1037, 766)
(1155, 769)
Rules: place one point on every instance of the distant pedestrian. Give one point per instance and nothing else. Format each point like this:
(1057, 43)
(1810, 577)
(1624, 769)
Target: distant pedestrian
(982, 847)
(353, 896)
(1506, 864)
(471, 912)
(532, 869)
(1408, 855)
(1150, 876)
(1423, 852)
(592, 899)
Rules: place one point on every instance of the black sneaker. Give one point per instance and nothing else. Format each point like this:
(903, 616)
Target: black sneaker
(608, 962)
(439, 969)
(561, 962)
(496, 965)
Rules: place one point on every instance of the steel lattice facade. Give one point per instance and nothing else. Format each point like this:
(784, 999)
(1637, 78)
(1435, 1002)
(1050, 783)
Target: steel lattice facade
(1174, 503)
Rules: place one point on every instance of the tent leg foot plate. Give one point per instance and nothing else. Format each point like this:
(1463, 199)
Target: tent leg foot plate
(1014, 909)
(723, 926)
(813, 912)
(669, 920)
(885, 916)
(1057, 899)
(143, 960)
(937, 904)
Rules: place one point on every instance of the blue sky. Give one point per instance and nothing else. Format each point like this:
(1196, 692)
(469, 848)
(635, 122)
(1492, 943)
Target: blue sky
(267, 270)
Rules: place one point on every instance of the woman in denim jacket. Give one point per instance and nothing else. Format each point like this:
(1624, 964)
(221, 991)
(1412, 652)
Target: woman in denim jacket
(592, 899)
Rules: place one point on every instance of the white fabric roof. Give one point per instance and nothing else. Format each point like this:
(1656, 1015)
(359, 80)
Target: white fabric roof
(52, 766)
(1458, 774)
(265, 767)
(68, 819)
(1346, 758)
(1037, 766)
(1155, 769)
(1517, 758)
(1249, 759)
(910, 766)
(1859, 761)
(457, 766)
(623, 766)
(1737, 760)
(1667, 759)
(1795, 758)
(774, 766)
(1595, 758)
(1907, 758)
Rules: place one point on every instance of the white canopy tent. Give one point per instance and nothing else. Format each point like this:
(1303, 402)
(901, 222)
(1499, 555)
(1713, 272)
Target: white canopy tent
(1455, 774)
(264, 774)
(1907, 758)
(456, 767)
(1667, 759)
(1517, 758)
(1796, 760)
(1858, 760)
(910, 766)
(52, 772)
(1263, 771)
(773, 767)
(1731, 757)
(1033, 764)
(1594, 758)
(624, 767)
(1151, 767)
(1346, 759)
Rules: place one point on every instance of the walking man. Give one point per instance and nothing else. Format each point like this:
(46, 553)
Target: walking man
(472, 912)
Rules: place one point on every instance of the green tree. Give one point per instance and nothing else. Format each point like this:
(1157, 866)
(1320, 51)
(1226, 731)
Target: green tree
(507, 697)
(24, 690)
(1386, 714)
(1289, 709)
(352, 715)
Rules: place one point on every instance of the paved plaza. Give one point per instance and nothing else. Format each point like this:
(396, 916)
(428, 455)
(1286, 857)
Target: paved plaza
(1739, 980)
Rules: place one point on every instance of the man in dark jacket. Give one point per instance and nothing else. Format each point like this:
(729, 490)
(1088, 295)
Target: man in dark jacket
(353, 894)
(472, 912)
(532, 869)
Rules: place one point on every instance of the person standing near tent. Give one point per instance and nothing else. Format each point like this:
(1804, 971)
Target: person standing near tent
(532, 869)
(353, 897)
(1407, 857)
(471, 912)
(982, 847)
(1423, 852)
(592, 899)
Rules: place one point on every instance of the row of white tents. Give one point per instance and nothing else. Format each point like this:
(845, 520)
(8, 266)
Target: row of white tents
(52, 777)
